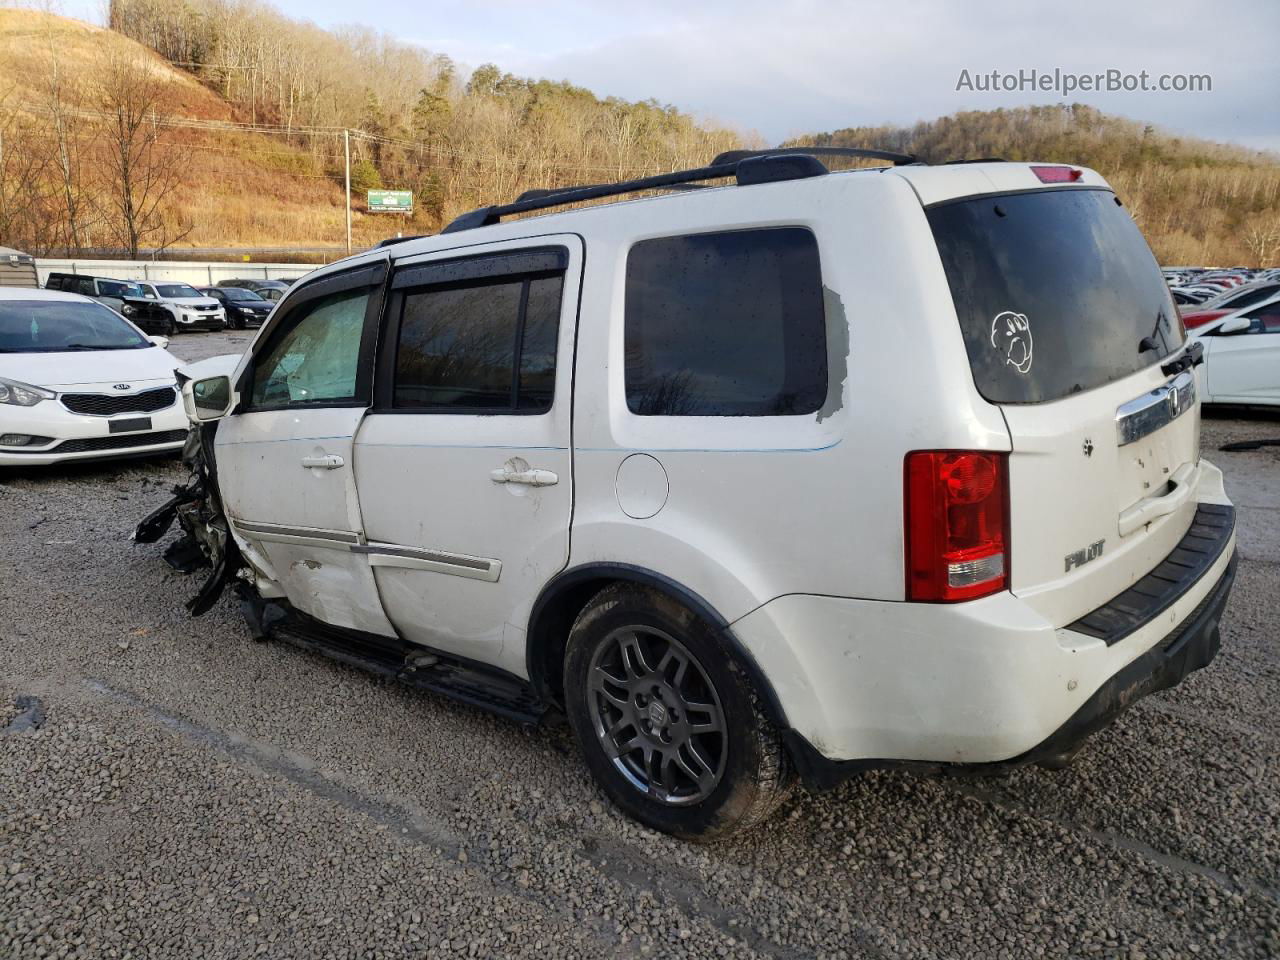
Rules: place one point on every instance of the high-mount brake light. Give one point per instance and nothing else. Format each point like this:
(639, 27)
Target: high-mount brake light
(1057, 174)
(956, 505)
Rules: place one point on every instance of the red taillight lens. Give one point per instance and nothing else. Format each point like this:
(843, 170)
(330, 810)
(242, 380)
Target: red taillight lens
(1057, 174)
(957, 508)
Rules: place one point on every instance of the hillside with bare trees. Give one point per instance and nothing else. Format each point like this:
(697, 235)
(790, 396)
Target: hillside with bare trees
(246, 111)
(1197, 202)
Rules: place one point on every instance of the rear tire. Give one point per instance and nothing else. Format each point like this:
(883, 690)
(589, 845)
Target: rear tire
(668, 722)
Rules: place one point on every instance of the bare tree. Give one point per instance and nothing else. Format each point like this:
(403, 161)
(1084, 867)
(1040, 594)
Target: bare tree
(1262, 237)
(25, 220)
(141, 170)
(68, 131)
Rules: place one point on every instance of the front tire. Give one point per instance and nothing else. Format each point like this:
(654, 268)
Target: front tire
(668, 722)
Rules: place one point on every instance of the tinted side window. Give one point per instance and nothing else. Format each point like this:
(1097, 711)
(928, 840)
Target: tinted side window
(487, 346)
(317, 358)
(1265, 319)
(726, 325)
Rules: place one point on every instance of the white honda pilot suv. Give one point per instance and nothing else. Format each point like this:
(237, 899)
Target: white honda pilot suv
(809, 473)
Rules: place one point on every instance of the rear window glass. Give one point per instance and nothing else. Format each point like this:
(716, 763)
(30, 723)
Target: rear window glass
(726, 325)
(1057, 292)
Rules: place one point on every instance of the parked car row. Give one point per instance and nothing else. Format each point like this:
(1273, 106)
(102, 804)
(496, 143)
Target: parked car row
(1194, 287)
(166, 308)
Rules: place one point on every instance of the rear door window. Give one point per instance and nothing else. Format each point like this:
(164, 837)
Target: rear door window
(483, 346)
(726, 325)
(1056, 291)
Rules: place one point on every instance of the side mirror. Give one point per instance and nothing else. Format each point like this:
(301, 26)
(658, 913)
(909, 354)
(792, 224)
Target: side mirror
(1234, 325)
(207, 399)
(161, 342)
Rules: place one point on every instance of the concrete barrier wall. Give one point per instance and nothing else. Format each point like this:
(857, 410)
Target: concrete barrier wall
(195, 272)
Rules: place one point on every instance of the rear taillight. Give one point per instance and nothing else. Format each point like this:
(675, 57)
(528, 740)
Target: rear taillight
(956, 522)
(1057, 174)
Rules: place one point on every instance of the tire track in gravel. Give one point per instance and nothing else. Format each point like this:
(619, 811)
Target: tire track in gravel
(417, 827)
(614, 861)
(1119, 842)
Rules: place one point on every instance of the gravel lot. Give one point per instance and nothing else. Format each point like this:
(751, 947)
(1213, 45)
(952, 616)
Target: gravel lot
(193, 794)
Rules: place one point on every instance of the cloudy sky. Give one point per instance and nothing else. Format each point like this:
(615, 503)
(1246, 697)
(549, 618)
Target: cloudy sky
(783, 67)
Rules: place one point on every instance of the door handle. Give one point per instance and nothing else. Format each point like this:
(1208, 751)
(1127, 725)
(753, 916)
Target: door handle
(531, 478)
(329, 461)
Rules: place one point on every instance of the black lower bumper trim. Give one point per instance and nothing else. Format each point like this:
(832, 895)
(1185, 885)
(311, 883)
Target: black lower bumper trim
(1192, 646)
(1196, 552)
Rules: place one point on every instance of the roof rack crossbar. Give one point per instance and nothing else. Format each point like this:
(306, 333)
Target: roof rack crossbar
(897, 159)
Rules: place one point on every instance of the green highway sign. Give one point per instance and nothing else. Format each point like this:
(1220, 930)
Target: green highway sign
(391, 201)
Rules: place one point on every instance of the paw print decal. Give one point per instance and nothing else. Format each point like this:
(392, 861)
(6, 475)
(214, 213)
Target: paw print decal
(1011, 335)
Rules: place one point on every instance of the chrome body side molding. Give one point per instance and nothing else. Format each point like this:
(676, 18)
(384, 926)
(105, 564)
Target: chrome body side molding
(436, 561)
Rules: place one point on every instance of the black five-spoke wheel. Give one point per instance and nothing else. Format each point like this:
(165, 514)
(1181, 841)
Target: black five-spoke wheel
(657, 714)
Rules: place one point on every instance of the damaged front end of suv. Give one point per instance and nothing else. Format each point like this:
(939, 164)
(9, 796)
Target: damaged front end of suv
(196, 505)
(206, 539)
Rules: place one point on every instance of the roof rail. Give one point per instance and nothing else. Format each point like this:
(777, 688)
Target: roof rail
(758, 167)
(897, 159)
(392, 241)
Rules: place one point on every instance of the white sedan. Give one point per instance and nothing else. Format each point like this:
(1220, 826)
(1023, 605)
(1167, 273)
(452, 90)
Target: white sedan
(79, 382)
(1242, 356)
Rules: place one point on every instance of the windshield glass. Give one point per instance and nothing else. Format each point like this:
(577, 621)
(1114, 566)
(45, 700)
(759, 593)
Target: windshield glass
(117, 288)
(1056, 291)
(240, 293)
(52, 326)
(177, 290)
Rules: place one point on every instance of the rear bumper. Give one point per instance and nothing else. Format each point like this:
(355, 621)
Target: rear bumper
(864, 684)
(1192, 646)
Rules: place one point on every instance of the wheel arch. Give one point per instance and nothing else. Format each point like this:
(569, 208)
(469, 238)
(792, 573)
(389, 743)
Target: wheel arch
(563, 598)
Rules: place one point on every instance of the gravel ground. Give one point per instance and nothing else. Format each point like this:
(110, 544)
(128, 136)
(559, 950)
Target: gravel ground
(193, 794)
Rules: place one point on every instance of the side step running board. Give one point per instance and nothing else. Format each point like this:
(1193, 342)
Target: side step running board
(476, 684)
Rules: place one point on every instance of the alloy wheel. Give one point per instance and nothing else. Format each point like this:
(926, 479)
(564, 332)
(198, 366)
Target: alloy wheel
(657, 715)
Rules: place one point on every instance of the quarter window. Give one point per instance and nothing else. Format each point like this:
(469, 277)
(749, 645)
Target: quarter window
(316, 360)
(481, 346)
(726, 325)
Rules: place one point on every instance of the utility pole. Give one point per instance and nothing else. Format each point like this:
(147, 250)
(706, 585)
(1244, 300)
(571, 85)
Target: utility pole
(346, 151)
